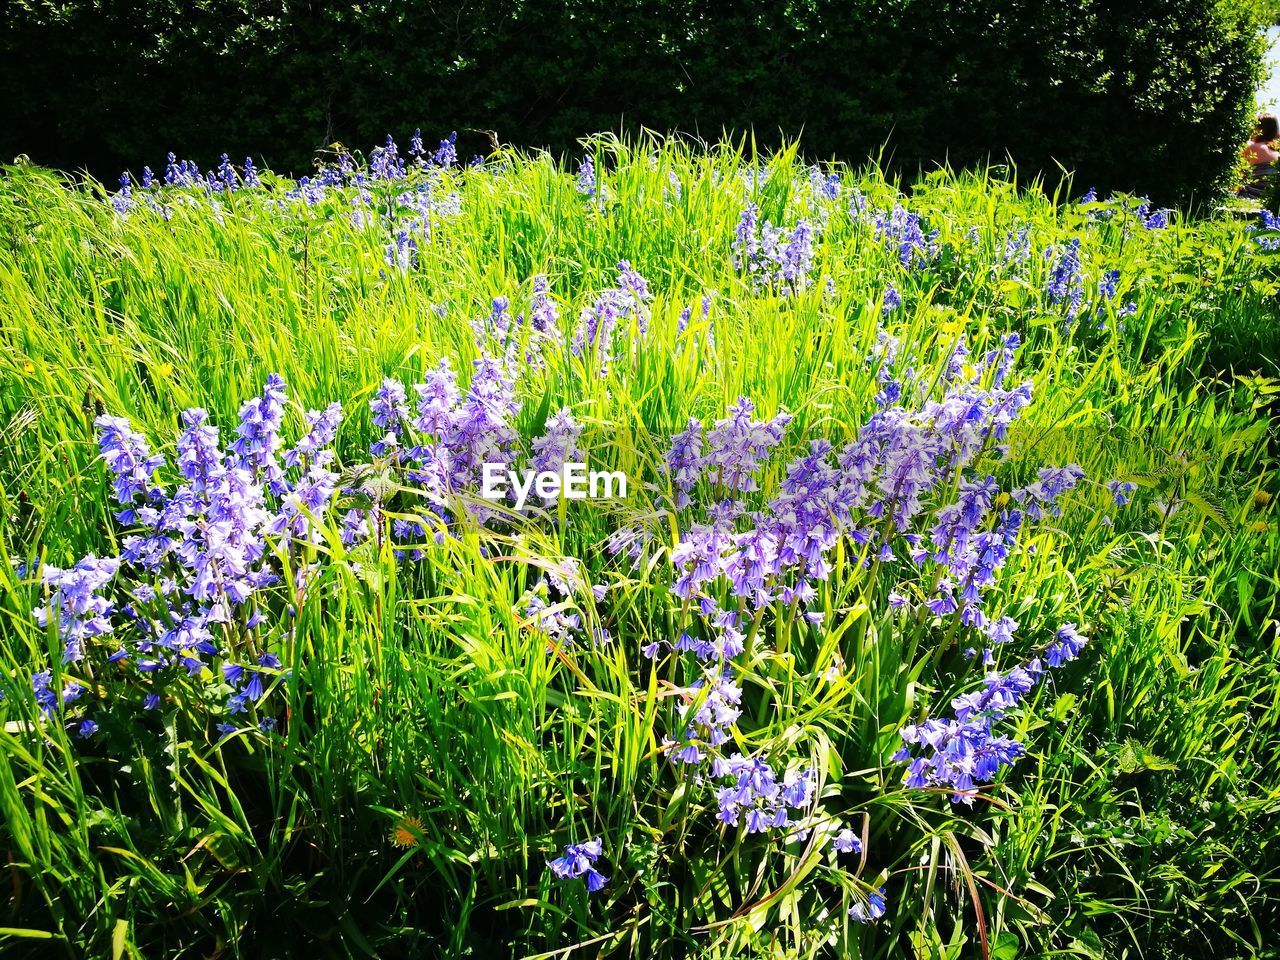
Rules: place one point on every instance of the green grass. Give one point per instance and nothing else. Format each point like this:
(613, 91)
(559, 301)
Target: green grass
(1142, 822)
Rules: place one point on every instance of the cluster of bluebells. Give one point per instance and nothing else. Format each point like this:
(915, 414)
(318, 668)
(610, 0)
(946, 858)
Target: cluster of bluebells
(883, 495)
(76, 602)
(711, 703)
(385, 162)
(879, 493)
(586, 181)
(550, 606)
(825, 187)
(1107, 287)
(728, 455)
(415, 211)
(892, 300)
(902, 232)
(205, 540)
(1065, 280)
(1121, 491)
(440, 438)
(1065, 283)
(754, 798)
(708, 326)
(622, 308)
(773, 257)
(873, 909)
(225, 178)
(1152, 219)
(523, 337)
(960, 753)
(1143, 214)
(578, 861)
(902, 495)
(749, 793)
(151, 191)
(1268, 230)
(444, 442)
(1017, 247)
(249, 685)
(562, 626)
(404, 197)
(196, 585)
(53, 702)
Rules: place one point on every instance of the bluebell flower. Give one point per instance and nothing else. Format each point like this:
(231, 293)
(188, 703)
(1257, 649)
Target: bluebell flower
(1001, 630)
(46, 698)
(892, 299)
(796, 260)
(1065, 283)
(82, 612)
(258, 434)
(122, 200)
(313, 447)
(385, 162)
(1152, 220)
(402, 251)
(873, 909)
(224, 179)
(824, 186)
(446, 154)
(846, 841)
(738, 444)
(586, 182)
(1121, 491)
(310, 191)
(773, 257)
(746, 238)
(128, 456)
(390, 412)
(684, 461)
(903, 232)
(579, 860)
(596, 333)
(182, 173)
(1017, 247)
(1066, 646)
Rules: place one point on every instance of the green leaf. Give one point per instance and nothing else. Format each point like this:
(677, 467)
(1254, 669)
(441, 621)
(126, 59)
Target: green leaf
(1005, 947)
(1063, 706)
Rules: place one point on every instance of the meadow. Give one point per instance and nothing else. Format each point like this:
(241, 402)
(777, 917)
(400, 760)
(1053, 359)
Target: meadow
(939, 618)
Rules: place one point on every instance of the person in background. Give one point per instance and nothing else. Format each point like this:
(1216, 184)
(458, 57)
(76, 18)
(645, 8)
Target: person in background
(1261, 155)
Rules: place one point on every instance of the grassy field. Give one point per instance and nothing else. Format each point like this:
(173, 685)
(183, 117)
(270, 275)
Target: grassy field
(958, 638)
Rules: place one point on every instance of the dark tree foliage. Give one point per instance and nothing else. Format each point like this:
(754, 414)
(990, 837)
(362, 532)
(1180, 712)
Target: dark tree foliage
(1151, 97)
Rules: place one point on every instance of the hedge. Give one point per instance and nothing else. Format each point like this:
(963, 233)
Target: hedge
(1152, 97)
